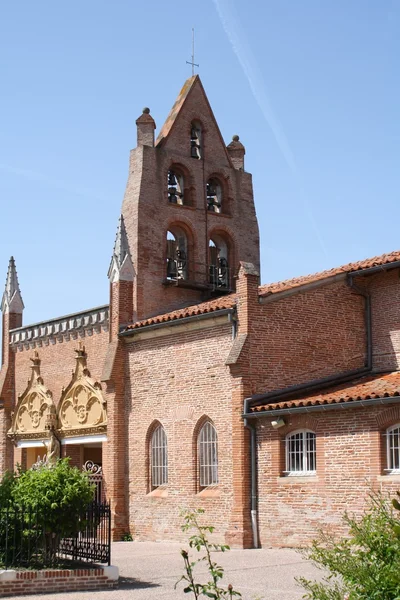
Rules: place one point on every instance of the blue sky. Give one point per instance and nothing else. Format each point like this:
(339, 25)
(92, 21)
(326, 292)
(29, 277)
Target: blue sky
(311, 87)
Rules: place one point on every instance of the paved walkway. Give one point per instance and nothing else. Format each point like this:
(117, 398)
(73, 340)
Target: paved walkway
(149, 571)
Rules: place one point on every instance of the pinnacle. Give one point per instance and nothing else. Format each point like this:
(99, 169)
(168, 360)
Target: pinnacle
(121, 255)
(12, 299)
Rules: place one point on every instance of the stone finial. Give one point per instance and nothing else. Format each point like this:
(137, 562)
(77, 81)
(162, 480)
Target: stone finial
(236, 151)
(12, 299)
(145, 128)
(121, 266)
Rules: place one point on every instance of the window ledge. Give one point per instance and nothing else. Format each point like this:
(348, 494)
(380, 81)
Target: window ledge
(159, 492)
(390, 476)
(293, 479)
(209, 492)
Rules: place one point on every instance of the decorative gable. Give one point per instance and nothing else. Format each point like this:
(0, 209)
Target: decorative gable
(35, 411)
(82, 405)
(190, 112)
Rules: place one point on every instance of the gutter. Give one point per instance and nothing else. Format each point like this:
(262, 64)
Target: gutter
(181, 321)
(253, 476)
(318, 407)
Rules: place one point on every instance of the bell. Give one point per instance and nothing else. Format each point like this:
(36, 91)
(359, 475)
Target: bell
(172, 272)
(172, 178)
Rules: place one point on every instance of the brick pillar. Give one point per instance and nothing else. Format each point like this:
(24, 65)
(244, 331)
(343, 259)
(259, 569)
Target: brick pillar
(240, 531)
(7, 390)
(122, 275)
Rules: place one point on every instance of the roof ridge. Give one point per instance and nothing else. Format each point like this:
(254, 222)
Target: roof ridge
(285, 284)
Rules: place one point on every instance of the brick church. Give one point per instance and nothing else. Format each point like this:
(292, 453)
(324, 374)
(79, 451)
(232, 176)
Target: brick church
(274, 407)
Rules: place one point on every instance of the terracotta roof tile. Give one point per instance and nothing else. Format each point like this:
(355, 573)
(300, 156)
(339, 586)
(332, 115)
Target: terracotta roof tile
(280, 286)
(189, 311)
(371, 386)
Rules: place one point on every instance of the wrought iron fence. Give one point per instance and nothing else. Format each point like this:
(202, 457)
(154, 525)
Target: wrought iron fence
(27, 539)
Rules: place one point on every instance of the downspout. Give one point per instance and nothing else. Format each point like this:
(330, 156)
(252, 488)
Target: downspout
(253, 475)
(368, 318)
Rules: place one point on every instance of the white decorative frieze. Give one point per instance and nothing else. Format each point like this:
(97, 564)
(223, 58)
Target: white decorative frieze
(62, 328)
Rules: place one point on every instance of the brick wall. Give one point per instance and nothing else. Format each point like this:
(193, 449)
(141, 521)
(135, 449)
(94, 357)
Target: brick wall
(178, 380)
(385, 308)
(351, 461)
(19, 583)
(58, 362)
(306, 336)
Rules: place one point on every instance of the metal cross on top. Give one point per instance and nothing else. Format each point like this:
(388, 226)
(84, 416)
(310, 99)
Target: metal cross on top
(192, 63)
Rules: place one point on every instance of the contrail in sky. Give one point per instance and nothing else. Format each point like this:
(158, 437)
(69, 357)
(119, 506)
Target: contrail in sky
(35, 176)
(248, 62)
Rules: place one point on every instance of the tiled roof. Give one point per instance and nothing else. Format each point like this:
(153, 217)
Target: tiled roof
(371, 386)
(280, 286)
(166, 128)
(190, 311)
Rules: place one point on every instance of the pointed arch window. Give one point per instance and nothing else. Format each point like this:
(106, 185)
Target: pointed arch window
(208, 455)
(176, 188)
(159, 457)
(219, 272)
(301, 455)
(196, 140)
(177, 265)
(214, 195)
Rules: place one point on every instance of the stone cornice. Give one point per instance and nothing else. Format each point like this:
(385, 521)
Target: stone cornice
(61, 328)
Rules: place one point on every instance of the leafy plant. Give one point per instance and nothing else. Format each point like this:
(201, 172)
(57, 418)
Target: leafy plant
(127, 537)
(57, 494)
(200, 542)
(363, 566)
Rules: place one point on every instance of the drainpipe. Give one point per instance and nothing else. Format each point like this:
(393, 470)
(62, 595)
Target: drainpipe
(368, 318)
(253, 475)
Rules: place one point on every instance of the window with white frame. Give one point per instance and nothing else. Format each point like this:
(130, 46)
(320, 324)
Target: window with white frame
(208, 455)
(301, 456)
(393, 449)
(159, 457)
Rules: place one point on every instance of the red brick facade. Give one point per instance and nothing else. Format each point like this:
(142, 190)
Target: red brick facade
(185, 350)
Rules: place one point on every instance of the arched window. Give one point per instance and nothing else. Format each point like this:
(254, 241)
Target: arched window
(195, 140)
(177, 265)
(301, 456)
(393, 448)
(219, 272)
(176, 187)
(159, 457)
(208, 455)
(214, 195)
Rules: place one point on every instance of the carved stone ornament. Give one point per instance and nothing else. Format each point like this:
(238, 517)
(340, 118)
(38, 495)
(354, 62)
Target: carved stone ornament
(82, 405)
(35, 411)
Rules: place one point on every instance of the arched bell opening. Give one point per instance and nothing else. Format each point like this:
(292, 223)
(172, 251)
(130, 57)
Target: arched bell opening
(196, 140)
(177, 254)
(219, 251)
(176, 186)
(214, 193)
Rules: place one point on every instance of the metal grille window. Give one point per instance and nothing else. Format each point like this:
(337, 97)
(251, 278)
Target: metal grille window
(159, 457)
(208, 455)
(301, 458)
(393, 449)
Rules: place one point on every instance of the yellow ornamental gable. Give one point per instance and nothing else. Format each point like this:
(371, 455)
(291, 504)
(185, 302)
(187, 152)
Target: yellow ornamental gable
(35, 411)
(82, 405)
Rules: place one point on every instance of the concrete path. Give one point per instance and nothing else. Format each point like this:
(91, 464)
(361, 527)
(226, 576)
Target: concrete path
(149, 571)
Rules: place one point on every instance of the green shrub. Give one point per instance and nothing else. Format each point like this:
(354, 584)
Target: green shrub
(364, 565)
(57, 494)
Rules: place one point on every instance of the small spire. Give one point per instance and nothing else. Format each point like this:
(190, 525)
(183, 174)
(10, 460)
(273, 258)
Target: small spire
(121, 266)
(12, 299)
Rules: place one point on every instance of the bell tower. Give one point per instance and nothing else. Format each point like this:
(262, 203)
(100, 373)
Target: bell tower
(188, 208)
